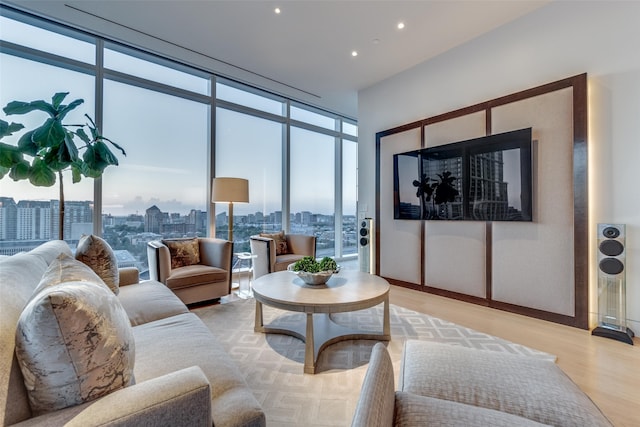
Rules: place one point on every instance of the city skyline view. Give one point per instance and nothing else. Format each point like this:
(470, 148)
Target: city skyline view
(180, 128)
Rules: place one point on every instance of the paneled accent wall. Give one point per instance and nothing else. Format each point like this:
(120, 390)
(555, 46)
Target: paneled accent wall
(536, 268)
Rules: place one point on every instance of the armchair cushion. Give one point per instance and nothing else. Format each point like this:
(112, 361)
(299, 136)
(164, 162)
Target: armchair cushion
(95, 252)
(192, 275)
(183, 252)
(279, 240)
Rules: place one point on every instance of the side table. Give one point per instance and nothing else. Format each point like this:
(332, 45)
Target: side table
(245, 266)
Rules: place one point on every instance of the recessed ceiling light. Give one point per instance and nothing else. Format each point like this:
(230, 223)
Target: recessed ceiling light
(400, 25)
(354, 53)
(277, 11)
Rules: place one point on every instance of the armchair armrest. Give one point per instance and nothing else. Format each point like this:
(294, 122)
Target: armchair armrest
(159, 259)
(181, 398)
(128, 276)
(265, 250)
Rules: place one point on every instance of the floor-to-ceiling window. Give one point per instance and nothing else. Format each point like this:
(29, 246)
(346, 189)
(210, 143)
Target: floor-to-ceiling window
(180, 127)
(312, 166)
(249, 147)
(29, 214)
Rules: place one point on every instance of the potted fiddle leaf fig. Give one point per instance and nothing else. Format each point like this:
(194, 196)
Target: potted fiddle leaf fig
(44, 153)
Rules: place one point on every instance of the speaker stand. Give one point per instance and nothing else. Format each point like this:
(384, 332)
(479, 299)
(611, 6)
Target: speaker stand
(624, 336)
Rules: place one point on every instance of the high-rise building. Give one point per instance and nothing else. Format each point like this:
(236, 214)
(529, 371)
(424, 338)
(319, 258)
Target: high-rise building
(153, 220)
(33, 220)
(8, 218)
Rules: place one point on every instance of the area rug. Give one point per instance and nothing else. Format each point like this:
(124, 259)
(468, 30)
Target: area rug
(272, 364)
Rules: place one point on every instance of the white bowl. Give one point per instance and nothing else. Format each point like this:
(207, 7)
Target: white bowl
(319, 278)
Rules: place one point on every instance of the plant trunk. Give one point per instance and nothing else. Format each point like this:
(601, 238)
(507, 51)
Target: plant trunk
(61, 208)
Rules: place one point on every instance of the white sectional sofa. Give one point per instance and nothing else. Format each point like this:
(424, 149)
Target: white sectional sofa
(182, 374)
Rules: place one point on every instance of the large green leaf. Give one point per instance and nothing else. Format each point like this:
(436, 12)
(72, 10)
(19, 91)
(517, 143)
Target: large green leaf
(50, 134)
(20, 171)
(76, 171)
(83, 136)
(57, 98)
(64, 110)
(115, 145)
(9, 155)
(7, 129)
(52, 159)
(98, 157)
(20, 107)
(68, 151)
(41, 175)
(3, 171)
(26, 144)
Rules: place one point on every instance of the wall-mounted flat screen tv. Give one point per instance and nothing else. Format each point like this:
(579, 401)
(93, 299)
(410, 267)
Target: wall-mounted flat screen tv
(482, 179)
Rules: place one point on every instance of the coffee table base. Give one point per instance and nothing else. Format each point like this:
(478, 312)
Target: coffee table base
(320, 331)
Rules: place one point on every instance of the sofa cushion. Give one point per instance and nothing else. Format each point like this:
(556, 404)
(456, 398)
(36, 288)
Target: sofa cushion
(520, 385)
(74, 343)
(95, 252)
(280, 241)
(192, 344)
(183, 251)
(67, 269)
(412, 410)
(193, 275)
(148, 301)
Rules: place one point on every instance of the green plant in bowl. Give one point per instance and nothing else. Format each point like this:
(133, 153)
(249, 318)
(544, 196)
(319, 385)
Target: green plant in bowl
(310, 265)
(313, 272)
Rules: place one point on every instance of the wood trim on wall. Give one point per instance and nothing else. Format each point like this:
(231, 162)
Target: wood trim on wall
(580, 203)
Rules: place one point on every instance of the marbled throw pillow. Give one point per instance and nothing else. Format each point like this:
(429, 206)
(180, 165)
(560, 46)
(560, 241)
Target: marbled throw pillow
(183, 252)
(280, 241)
(67, 269)
(97, 254)
(74, 344)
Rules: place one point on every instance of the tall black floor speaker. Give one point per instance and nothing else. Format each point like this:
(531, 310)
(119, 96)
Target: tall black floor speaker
(612, 300)
(366, 245)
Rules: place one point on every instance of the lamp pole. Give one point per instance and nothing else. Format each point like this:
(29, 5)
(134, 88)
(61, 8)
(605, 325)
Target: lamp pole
(231, 221)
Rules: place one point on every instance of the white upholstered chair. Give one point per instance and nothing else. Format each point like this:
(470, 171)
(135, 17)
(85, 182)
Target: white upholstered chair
(269, 261)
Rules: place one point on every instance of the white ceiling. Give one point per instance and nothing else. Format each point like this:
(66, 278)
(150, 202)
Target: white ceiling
(305, 51)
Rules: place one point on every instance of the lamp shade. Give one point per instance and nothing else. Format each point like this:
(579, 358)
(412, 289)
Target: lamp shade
(230, 190)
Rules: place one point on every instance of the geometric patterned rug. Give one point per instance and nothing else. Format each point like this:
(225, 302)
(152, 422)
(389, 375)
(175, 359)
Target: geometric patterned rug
(272, 364)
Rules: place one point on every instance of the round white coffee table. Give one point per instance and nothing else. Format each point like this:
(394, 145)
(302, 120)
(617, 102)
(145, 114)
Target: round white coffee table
(348, 290)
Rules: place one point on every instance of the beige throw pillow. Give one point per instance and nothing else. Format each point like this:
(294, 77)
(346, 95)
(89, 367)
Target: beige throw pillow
(183, 252)
(97, 254)
(74, 344)
(280, 241)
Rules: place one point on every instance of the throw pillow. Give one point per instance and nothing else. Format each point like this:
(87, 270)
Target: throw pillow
(67, 269)
(97, 254)
(280, 241)
(74, 344)
(183, 251)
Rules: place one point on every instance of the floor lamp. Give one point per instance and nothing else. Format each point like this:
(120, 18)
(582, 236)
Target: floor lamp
(230, 190)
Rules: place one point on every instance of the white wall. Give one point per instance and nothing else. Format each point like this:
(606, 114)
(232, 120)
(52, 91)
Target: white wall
(559, 40)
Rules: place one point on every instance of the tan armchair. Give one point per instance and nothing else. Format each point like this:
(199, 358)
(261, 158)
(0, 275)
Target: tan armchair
(267, 261)
(198, 275)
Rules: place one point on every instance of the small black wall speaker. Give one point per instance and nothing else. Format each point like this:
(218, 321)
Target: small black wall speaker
(612, 301)
(365, 245)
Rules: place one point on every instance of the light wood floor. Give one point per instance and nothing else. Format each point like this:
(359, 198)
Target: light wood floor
(607, 370)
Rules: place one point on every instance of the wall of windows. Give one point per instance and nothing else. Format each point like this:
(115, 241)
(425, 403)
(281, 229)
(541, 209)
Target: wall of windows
(180, 127)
